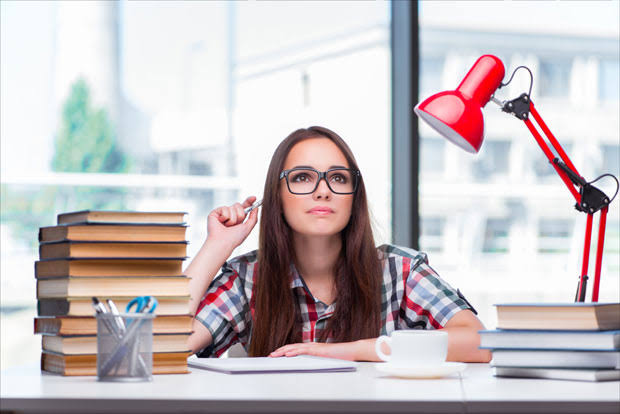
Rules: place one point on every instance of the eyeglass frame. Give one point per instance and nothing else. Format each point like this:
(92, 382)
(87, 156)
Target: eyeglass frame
(322, 176)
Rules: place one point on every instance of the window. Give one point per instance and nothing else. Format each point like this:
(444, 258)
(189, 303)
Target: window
(554, 235)
(432, 155)
(609, 80)
(612, 235)
(611, 255)
(611, 159)
(553, 77)
(496, 236)
(493, 160)
(431, 234)
(541, 165)
(487, 238)
(431, 75)
(182, 119)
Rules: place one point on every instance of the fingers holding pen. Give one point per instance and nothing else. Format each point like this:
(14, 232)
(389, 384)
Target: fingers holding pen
(248, 202)
(232, 216)
(225, 215)
(239, 211)
(244, 210)
(235, 214)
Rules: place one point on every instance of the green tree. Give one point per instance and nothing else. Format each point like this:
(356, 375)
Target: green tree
(85, 143)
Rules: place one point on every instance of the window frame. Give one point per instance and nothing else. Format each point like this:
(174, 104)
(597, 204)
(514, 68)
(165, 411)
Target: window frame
(404, 42)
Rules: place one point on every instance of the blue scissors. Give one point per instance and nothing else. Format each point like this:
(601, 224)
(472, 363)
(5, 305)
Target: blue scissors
(143, 304)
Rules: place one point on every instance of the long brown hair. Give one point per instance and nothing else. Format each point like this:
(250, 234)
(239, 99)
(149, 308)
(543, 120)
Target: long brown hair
(277, 319)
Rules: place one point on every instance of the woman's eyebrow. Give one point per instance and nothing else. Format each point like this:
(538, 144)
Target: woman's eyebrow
(308, 166)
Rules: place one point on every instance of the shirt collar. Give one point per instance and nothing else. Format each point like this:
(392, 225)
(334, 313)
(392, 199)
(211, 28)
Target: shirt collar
(296, 281)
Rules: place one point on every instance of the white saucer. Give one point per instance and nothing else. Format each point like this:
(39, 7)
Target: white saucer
(421, 371)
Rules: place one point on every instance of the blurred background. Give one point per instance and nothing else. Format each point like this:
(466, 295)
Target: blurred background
(179, 106)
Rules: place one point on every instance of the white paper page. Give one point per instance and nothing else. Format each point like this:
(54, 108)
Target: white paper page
(268, 364)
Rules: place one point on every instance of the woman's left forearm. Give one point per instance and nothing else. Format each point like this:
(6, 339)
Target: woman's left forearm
(462, 347)
(364, 350)
(464, 339)
(463, 343)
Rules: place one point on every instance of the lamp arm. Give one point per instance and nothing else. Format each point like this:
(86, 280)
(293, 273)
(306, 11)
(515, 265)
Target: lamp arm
(552, 138)
(572, 175)
(599, 253)
(550, 156)
(589, 199)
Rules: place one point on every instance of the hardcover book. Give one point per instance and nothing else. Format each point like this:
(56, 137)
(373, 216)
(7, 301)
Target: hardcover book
(163, 363)
(81, 249)
(98, 216)
(561, 374)
(112, 286)
(559, 316)
(108, 267)
(83, 306)
(113, 232)
(87, 325)
(556, 359)
(532, 339)
(87, 344)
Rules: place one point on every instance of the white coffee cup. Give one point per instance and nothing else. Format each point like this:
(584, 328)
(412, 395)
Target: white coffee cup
(414, 347)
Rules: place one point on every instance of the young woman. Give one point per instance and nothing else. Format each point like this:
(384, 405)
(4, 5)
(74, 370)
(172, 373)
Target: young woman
(317, 285)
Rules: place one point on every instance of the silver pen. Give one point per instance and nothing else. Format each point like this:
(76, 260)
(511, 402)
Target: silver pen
(100, 308)
(110, 326)
(117, 319)
(256, 204)
(120, 326)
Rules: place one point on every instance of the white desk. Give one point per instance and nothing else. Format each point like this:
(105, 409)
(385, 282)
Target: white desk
(367, 390)
(485, 393)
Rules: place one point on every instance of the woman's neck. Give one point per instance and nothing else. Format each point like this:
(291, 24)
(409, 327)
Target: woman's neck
(316, 256)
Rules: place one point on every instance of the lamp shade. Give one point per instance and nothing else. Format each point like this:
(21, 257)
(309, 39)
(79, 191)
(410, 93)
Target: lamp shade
(457, 115)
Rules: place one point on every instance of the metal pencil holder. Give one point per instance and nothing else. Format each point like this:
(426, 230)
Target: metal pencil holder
(125, 347)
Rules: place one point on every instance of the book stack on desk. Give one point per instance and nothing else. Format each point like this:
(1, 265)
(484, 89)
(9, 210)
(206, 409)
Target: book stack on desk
(573, 341)
(114, 255)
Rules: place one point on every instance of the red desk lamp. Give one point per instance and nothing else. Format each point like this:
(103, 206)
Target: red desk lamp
(457, 116)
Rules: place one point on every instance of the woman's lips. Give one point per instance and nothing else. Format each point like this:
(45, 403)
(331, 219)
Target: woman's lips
(321, 211)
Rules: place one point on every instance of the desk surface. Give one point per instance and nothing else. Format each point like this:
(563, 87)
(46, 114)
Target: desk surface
(366, 390)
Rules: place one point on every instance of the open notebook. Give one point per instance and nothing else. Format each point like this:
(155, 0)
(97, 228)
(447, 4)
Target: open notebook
(302, 363)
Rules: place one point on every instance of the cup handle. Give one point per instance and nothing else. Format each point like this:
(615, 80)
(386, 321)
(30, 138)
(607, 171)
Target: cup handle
(381, 340)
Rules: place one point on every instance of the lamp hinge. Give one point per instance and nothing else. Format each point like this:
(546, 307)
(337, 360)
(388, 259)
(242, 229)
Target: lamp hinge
(519, 107)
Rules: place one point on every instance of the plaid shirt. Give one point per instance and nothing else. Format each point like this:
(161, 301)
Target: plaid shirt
(413, 297)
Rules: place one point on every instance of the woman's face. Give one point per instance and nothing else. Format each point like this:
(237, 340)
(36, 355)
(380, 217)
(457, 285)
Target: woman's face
(321, 213)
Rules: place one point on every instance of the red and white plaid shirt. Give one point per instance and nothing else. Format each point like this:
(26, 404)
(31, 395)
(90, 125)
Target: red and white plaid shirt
(414, 297)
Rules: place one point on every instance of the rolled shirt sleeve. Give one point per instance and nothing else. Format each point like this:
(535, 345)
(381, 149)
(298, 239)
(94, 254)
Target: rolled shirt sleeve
(428, 300)
(224, 309)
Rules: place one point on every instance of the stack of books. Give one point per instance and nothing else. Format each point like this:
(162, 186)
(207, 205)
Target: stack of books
(111, 255)
(573, 341)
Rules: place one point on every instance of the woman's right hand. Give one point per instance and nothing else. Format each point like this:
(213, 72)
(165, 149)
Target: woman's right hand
(226, 224)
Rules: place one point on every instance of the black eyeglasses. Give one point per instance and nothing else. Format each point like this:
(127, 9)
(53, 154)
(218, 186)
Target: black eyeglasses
(303, 180)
